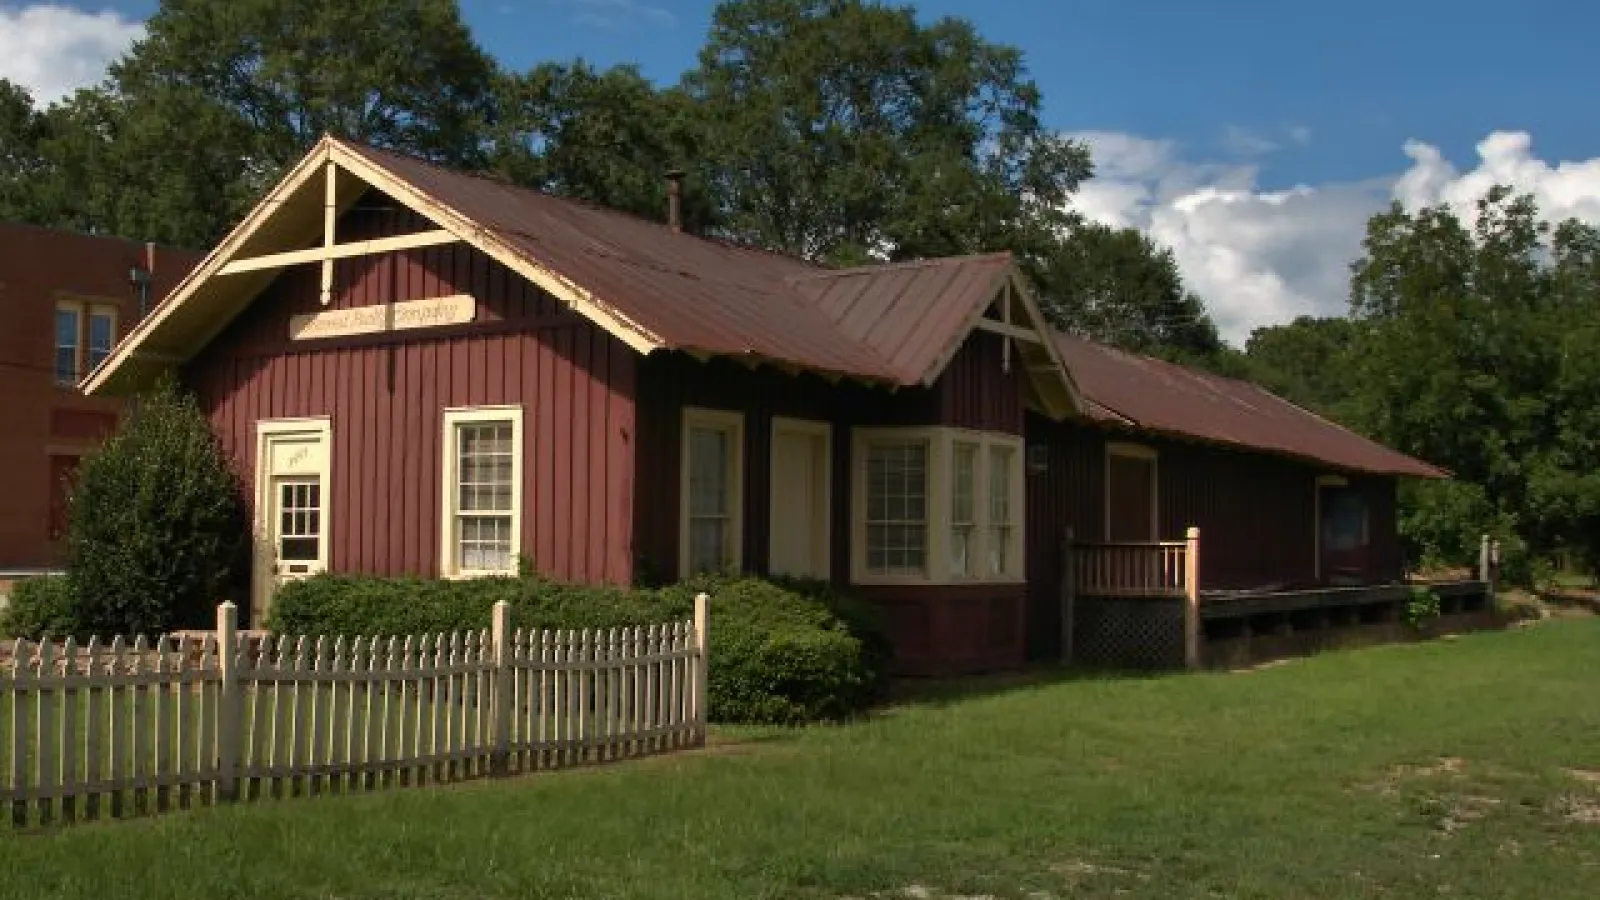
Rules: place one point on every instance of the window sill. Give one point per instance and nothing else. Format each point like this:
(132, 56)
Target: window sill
(471, 574)
(903, 581)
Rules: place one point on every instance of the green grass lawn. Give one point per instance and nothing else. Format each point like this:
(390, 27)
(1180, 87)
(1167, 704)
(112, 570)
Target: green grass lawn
(1465, 768)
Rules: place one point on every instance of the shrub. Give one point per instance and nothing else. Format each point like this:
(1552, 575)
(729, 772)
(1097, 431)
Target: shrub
(781, 652)
(1421, 607)
(156, 530)
(39, 607)
(780, 655)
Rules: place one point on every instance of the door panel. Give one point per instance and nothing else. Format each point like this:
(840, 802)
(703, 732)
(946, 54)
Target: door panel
(292, 515)
(799, 517)
(1132, 495)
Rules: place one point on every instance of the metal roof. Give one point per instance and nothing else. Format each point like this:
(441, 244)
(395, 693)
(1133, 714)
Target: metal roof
(887, 323)
(1139, 392)
(895, 323)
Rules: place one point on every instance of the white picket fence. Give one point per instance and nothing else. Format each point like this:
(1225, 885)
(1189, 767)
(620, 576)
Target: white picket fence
(128, 728)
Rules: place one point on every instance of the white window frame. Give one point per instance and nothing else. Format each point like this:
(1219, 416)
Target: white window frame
(733, 422)
(449, 496)
(938, 569)
(1015, 511)
(822, 561)
(1134, 451)
(80, 310)
(263, 577)
(97, 309)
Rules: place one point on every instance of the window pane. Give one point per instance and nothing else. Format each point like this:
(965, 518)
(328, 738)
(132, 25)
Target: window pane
(708, 544)
(101, 338)
(485, 543)
(896, 514)
(298, 549)
(1000, 484)
(484, 472)
(1000, 553)
(709, 458)
(965, 462)
(66, 364)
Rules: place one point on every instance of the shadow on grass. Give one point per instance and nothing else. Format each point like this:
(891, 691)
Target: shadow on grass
(938, 692)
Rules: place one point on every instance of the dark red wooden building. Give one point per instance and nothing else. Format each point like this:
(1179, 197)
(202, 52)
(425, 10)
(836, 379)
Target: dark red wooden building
(422, 372)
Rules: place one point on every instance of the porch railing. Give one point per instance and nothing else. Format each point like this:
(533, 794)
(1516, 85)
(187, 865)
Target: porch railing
(1143, 569)
(1163, 570)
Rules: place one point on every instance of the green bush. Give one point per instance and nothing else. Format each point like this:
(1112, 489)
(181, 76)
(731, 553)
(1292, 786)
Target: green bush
(39, 607)
(156, 529)
(781, 652)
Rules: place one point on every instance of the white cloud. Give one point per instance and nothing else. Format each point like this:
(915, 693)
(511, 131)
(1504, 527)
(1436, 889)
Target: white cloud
(53, 50)
(1262, 257)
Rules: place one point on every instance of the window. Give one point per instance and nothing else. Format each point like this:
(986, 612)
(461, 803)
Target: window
(897, 507)
(936, 505)
(963, 491)
(482, 491)
(102, 335)
(1002, 459)
(1342, 530)
(711, 501)
(85, 335)
(69, 326)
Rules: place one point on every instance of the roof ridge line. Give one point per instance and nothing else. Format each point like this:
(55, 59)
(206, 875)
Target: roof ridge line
(873, 268)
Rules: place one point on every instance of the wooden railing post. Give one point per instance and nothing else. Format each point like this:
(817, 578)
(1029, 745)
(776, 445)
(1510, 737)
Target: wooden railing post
(1483, 559)
(229, 702)
(500, 634)
(1069, 596)
(702, 664)
(1191, 599)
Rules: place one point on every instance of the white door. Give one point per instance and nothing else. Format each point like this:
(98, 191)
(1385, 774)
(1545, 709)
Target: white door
(799, 517)
(292, 514)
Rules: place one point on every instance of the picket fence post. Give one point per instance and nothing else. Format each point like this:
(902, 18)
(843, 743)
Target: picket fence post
(500, 633)
(1191, 599)
(702, 664)
(228, 702)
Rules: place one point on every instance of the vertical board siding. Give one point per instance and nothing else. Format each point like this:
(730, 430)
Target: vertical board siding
(1256, 514)
(385, 396)
(977, 391)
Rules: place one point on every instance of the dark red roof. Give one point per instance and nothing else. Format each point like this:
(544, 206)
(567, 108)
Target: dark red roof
(1128, 390)
(888, 323)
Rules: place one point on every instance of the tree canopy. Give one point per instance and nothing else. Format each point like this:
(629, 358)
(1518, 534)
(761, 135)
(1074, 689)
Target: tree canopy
(1470, 345)
(838, 130)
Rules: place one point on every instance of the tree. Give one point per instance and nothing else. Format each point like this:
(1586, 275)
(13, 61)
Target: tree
(608, 137)
(1117, 286)
(205, 112)
(156, 529)
(1474, 349)
(21, 129)
(843, 130)
(1307, 361)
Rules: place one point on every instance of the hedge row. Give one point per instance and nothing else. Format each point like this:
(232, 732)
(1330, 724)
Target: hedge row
(782, 651)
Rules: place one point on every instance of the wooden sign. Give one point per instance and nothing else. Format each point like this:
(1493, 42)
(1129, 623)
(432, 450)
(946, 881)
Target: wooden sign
(403, 316)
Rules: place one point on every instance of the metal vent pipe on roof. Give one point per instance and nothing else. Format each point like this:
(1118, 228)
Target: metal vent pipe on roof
(675, 199)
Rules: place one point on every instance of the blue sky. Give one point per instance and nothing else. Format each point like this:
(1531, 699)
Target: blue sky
(1251, 136)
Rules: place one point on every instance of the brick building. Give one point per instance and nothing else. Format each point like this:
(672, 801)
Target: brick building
(65, 301)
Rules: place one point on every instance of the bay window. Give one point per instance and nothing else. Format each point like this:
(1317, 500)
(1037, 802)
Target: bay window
(935, 505)
(711, 496)
(482, 491)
